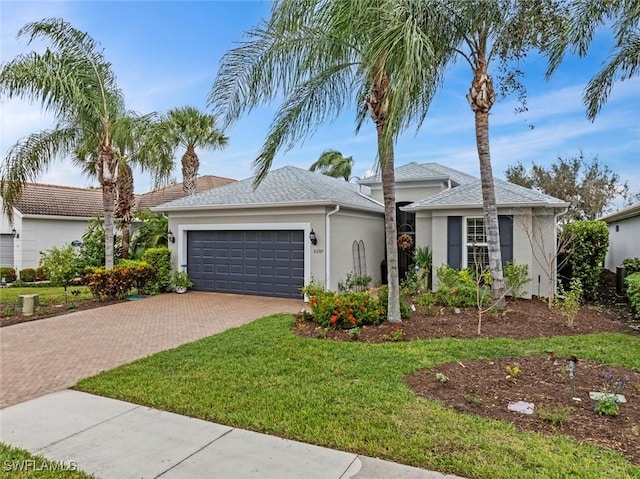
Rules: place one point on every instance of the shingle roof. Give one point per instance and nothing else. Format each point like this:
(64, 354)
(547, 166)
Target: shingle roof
(285, 186)
(173, 192)
(424, 171)
(470, 196)
(53, 200)
(623, 214)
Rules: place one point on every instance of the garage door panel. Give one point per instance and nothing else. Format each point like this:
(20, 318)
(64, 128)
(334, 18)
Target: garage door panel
(269, 263)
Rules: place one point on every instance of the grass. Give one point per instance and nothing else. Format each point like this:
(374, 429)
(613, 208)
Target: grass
(17, 463)
(351, 396)
(48, 294)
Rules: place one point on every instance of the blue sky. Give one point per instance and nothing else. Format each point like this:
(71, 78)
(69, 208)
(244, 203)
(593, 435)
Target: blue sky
(166, 54)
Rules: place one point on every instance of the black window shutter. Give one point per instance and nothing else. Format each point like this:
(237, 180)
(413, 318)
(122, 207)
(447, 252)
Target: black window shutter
(454, 241)
(505, 225)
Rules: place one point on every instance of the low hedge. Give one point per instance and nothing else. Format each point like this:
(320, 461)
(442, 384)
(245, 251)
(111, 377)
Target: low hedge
(28, 275)
(9, 274)
(117, 282)
(633, 292)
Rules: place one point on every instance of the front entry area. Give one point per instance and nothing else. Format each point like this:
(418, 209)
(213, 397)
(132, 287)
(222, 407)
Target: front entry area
(261, 262)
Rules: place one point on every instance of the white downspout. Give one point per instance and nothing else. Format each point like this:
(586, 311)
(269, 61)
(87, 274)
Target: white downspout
(327, 247)
(555, 242)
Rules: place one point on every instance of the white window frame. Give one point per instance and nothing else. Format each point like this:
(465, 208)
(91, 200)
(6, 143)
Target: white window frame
(466, 244)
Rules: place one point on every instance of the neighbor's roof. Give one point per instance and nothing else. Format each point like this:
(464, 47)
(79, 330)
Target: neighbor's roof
(173, 192)
(55, 200)
(424, 171)
(623, 214)
(470, 196)
(282, 187)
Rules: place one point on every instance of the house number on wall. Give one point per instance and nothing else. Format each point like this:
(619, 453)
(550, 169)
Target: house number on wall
(318, 250)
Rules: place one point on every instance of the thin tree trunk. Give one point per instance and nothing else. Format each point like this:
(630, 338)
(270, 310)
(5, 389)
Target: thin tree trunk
(107, 175)
(390, 228)
(481, 98)
(190, 167)
(124, 205)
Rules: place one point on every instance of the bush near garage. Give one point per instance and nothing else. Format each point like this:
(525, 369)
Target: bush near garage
(343, 310)
(109, 284)
(9, 274)
(633, 292)
(160, 259)
(28, 275)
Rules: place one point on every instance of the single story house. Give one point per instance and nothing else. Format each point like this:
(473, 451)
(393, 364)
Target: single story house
(624, 231)
(53, 215)
(297, 227)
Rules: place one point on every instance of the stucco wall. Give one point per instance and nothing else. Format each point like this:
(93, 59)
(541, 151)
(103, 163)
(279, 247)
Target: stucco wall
(408, 192)
(40, 234)
(346, 227)
(306, 218)
(624, 242)
(533, 242)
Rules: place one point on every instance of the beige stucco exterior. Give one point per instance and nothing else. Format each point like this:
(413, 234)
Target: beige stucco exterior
(326, 263)
(38, 234)
(534, 243)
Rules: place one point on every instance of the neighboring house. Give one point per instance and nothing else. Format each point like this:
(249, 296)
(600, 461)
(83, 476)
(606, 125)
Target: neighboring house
(50, 215)
(624, 236)
(43, 217)
(259, 241)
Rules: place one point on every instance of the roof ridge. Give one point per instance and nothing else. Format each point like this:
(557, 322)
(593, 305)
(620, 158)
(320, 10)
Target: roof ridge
(63, 187)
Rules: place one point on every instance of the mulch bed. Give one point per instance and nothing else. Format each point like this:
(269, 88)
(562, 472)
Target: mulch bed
(50, 310)
(481, 387)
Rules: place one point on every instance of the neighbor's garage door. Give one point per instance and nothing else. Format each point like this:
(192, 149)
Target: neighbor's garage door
(265, 263)
(6, 250)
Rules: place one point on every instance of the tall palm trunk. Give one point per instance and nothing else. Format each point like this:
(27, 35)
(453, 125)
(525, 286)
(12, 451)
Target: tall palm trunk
(481, 98)
(378, 103)
(107, 170)
(124, 204)
(190, 166)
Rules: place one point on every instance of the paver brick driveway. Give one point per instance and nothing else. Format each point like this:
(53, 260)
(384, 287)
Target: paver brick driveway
(49, 355)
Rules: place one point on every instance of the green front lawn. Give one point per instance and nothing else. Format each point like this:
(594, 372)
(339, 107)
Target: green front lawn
(17, 463)
(47, 294)
(351, 396)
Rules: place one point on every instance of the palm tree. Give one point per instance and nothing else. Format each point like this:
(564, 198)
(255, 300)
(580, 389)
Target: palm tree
(501, 30)
(309, 53)
(624, 61)
(189, 128)
(332, 163)
(73, 80)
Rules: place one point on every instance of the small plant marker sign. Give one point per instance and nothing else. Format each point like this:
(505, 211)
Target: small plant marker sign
(522, 407)
(597, 396)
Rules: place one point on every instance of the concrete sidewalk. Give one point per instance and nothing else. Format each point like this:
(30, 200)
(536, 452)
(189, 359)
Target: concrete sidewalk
(116, 439)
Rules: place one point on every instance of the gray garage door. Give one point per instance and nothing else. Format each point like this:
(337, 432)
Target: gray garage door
(265, 263)
(6, 250)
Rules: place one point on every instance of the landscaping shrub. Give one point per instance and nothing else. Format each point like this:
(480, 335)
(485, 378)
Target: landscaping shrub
(108, 283)
(28, 275)
(425, 302)
(631, 265)
(343, 310)
(589, 244)
(61, 264)
(516, 276)
(140, 272)
(9, 274)
(160, 259)
(383, 299)
(459, 289)
(41, 274)
(633, 292)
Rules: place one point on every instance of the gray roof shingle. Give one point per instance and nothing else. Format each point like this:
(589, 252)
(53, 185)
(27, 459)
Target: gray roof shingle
(282, 187)
(470, 196)
(424, 171)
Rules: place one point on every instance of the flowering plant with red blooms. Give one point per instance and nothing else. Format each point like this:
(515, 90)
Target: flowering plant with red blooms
(345, 310)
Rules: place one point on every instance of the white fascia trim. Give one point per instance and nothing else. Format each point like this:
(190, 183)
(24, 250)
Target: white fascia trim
(183, 229)
(56, 217)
